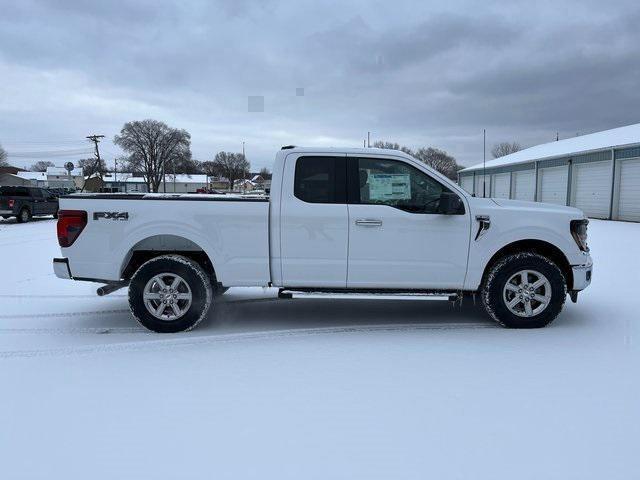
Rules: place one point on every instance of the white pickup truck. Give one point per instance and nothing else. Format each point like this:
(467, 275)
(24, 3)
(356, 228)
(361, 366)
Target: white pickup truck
(350, 222)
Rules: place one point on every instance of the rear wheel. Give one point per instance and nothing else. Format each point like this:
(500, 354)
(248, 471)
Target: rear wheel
(24, 215)
(524, 290)
(170, 294)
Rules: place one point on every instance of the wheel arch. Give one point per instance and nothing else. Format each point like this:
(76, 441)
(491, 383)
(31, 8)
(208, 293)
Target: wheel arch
(541, 247)
(162, 244)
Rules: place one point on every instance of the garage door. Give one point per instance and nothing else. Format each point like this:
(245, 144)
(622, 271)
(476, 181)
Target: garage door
(479, 188)
(466, 182)
(591, 188)
(629, 190)
(524, 185)
(552, 185)
(500, 185)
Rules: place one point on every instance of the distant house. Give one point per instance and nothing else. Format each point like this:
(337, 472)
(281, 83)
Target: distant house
(37, 179)
(59, 177)
(244, 185)
(9, 179)
(127, 182)
(219, 183)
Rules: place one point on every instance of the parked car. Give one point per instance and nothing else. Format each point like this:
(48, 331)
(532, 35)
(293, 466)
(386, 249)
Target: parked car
(370, 222)
(27, 202)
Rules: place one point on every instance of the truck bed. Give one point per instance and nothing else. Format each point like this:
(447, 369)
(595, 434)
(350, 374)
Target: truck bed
(232, 230)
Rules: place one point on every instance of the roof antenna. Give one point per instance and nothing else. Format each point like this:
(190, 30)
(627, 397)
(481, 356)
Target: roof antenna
(484, 163)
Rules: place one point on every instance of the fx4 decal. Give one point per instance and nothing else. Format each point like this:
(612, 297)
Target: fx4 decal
(111, 215)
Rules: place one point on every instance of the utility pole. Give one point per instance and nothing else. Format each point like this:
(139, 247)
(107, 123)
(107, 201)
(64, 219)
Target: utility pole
(484, 163)
(115, 174)
(95, 139)
(557, 136)
(242, 149)
(368, 139)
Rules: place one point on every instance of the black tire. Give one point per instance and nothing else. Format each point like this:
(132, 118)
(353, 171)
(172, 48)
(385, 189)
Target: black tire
(192, 273)
(24, 215)
(500, 273)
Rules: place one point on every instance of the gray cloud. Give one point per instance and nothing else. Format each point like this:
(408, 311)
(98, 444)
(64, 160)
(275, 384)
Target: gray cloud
(417, 73)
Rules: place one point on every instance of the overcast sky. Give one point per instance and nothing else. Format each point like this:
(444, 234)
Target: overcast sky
(419, 73)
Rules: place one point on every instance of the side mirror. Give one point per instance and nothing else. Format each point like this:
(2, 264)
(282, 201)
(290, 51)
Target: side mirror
(450, 204)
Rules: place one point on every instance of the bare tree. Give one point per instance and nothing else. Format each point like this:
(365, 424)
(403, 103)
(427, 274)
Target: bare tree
(232, 166)
(90, 166)
(392, 146)
(505, 148)
(41, 166)
(3, 157)
(265, 173)
(153, 148)
(439, 160)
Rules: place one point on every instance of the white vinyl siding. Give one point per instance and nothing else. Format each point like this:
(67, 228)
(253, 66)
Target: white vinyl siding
(524, 185)
(552, 185)
(591, 188)
(500, 185)
(466, 182)
(479, 189)
(628, 190)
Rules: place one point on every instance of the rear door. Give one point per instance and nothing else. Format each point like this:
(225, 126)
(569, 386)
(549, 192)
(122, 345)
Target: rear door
(397, 238)
(314, 224)
(38, 205)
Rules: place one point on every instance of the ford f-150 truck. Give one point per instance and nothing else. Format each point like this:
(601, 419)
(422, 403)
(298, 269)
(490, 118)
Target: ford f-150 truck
(351, 222)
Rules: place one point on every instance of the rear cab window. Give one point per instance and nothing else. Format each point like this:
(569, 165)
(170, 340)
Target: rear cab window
(14, 191)
(320, 179)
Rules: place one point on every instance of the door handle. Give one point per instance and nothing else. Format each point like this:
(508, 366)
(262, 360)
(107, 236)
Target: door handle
(368, 222)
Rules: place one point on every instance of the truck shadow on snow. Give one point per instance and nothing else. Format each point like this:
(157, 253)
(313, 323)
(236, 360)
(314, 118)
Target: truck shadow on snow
(265, 314)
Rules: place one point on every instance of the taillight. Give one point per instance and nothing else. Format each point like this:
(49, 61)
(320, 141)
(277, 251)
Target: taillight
(70, 225)
(11, 202)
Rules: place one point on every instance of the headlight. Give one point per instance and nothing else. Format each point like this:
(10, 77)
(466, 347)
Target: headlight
(579, 233)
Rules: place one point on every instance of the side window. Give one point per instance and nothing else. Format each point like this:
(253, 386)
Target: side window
(35, 192)
(320, 179)
(399, 185)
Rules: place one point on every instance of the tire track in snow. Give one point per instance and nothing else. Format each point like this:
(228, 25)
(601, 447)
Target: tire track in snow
(64, 314)
(182, 342)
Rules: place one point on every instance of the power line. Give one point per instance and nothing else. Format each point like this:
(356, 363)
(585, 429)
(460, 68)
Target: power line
(49, 153)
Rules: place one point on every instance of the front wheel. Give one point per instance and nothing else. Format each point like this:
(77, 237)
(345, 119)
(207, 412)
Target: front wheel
(524, 290)
(169, 294)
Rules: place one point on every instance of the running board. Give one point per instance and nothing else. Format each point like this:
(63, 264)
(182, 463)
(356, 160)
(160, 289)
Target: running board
(292, 294)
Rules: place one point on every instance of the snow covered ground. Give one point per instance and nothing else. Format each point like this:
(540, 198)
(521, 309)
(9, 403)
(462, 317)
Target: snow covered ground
(311, 389)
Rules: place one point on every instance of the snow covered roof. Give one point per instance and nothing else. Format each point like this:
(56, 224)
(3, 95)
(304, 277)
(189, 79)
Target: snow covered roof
(129, 178)
(585, 143)
(33, 175)
(63, 171)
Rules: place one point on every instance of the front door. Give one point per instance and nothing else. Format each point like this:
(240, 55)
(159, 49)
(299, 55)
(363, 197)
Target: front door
(314, 224)
(397, 238)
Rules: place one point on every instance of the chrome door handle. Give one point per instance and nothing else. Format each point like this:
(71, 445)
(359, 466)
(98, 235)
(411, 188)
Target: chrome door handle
(368, 222)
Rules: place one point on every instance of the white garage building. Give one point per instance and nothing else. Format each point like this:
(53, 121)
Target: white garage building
(598, 173)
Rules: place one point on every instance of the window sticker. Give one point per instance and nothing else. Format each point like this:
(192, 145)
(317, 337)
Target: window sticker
(385, 186)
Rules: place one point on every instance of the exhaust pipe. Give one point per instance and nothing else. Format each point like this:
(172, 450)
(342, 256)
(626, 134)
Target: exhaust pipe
(110, 288)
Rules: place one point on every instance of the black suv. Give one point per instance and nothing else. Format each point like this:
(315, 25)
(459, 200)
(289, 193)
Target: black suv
(26, 202)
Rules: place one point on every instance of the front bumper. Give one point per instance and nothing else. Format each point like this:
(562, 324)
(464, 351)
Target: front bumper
(582, 275)
(61, 268)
